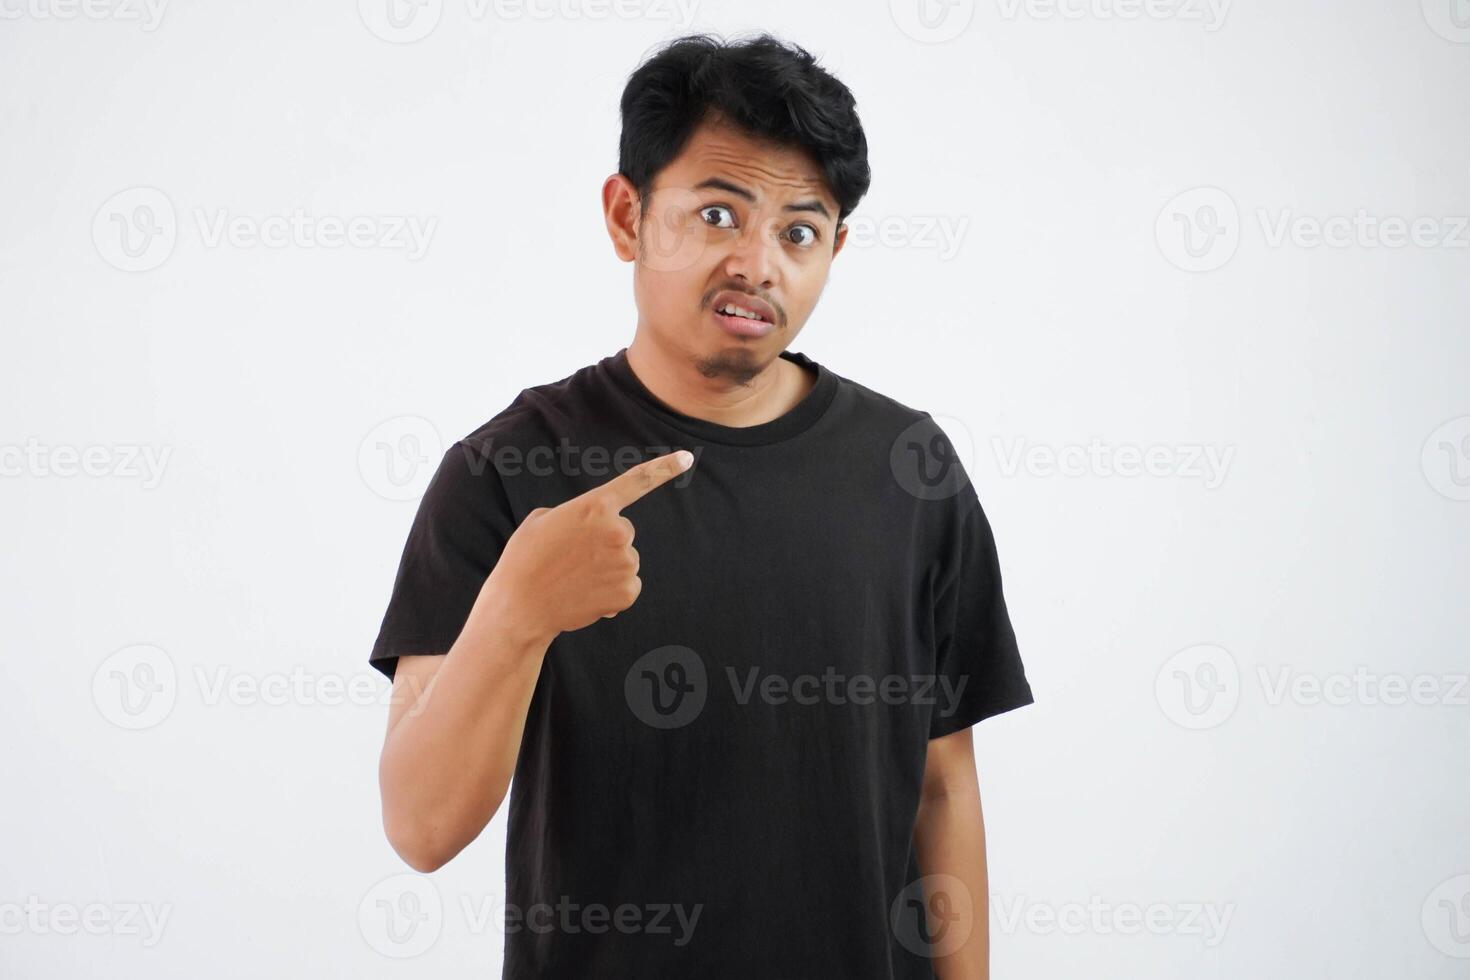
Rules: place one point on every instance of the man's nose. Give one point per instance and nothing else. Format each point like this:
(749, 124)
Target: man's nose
(755, 255)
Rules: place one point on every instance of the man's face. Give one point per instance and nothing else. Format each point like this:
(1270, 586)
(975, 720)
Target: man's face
(732, 220)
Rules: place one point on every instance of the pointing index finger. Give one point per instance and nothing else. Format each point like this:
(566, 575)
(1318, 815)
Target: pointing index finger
(633, 483)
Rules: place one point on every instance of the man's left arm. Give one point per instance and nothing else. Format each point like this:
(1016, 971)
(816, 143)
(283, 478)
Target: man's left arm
(949, 837)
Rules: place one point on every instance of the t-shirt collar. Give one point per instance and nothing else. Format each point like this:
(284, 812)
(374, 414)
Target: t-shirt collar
(797, 420)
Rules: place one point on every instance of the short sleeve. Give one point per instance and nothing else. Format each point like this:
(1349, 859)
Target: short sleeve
(463, 522)
(979, 667)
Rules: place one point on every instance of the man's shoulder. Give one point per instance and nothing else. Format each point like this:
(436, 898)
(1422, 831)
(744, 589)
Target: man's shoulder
(539, 413)
(885, 405)
(920, 457)
(886, 411)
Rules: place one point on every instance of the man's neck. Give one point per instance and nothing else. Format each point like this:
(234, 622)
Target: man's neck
(675, 380)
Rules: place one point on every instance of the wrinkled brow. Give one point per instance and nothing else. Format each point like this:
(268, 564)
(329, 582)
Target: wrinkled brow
(720, 184)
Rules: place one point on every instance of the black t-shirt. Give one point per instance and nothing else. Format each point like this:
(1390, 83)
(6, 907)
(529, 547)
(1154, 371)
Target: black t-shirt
(722, 780)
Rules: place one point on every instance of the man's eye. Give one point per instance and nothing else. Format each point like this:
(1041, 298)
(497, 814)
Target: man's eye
(811, 235)
(716, 208)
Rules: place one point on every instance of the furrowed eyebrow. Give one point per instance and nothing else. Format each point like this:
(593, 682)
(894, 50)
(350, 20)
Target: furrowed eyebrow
(720, 184)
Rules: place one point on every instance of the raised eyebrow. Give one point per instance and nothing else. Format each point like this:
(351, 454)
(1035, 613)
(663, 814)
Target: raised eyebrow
(811, 205)
(720, 184)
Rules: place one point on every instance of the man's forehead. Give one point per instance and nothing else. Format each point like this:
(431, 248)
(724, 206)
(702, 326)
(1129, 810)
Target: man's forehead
(766, 169)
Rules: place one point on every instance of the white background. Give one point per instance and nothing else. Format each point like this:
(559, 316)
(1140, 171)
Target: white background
(1163, 769)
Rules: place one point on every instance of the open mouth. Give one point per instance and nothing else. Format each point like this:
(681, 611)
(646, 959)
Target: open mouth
(743, 315)
(735, 310)
(738, 324)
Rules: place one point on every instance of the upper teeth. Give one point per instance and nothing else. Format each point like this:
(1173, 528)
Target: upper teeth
(732, 310)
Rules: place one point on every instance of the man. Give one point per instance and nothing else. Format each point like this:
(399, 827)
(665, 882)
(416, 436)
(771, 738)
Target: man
(741, 749)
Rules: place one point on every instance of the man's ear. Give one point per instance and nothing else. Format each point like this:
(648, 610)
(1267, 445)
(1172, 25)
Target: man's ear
(840, 239)
(621, 209)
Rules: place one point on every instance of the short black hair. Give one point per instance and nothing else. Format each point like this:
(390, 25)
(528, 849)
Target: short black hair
(766, 87)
